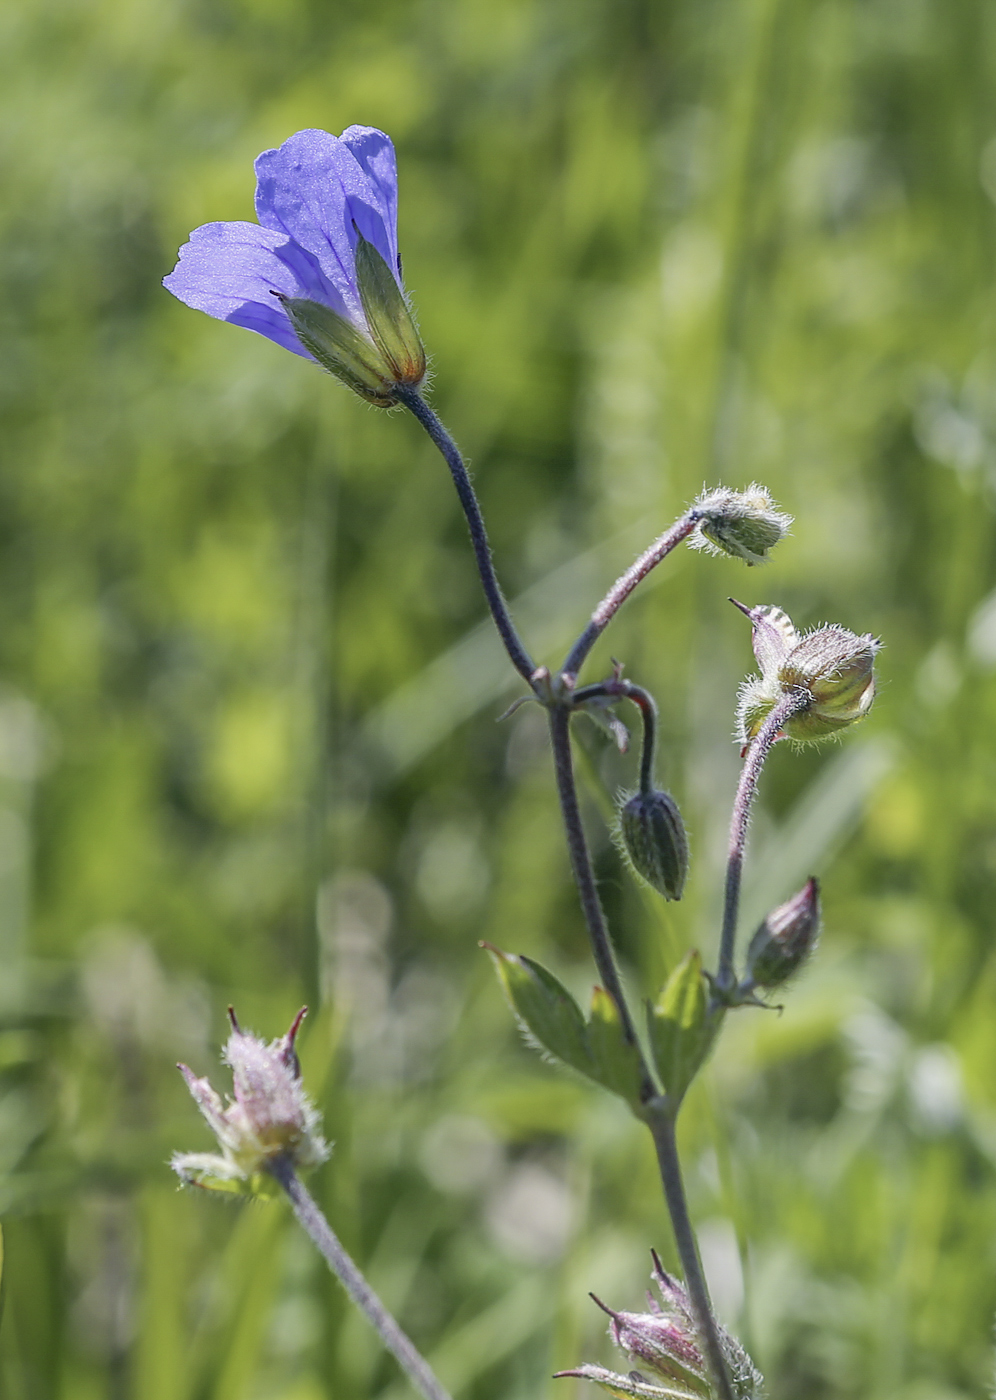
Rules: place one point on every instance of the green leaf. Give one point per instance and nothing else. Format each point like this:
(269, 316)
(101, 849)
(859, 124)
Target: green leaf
(545, 1008)
(682, 1027)
(616, 1064)
(552, 1020)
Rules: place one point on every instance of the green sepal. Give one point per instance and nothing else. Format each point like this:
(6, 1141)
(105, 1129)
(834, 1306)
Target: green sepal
(682, 1027)
(388, 316)
(632, 1387)
(616, 1062)
(209, 1172)
(553, 1022)
(342, 350)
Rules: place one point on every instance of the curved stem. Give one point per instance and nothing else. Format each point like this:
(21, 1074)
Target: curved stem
(310, 1217)
(518, 655)
(647, 706)
(624, 586)
(757, 752)
(584, 876)
(661, 1125)
(625, 690)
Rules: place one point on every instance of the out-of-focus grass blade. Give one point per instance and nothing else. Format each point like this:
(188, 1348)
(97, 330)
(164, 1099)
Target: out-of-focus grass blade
(822, 817)
(475, 670)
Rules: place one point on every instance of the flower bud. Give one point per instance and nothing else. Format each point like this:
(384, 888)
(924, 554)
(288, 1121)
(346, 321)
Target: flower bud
(652, 836)
(270, 1117)
(745, 524)
(829, 668)
(785, 939)
(665, 1343)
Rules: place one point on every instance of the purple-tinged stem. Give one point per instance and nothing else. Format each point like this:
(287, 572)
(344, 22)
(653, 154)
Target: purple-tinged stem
(314, 1224)
(645, 703)
(624, 586)
(518, 655)
(757, 751)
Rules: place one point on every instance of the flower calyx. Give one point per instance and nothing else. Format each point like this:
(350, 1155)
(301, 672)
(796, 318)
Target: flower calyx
(829, 671)
(664, 1344)
(270, 1115)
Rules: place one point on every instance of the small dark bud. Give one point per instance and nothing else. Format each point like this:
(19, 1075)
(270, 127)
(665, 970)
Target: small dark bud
(652, 836)
(785, 940)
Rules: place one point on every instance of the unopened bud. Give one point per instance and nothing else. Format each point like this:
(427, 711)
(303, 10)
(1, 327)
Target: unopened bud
(665, 1342)
(785, 939)
(830, 669)
(652, 836)
(746, 524)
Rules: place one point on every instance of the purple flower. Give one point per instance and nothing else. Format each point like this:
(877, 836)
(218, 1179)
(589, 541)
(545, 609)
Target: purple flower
(320, 273)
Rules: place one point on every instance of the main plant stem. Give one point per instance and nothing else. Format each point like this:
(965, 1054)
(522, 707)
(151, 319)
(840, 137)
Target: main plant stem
(757, 752)
(657, 1112)
(517, 653)
(661, 1124)
(310, 1217)
(584, 875)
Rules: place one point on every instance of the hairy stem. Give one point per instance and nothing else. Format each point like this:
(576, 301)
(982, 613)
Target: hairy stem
(325, 1240)
(624, 586)
(661, 1123)
(656, 1111)
(757, 752)
(647, 706)
(518, 655)
(584, 875)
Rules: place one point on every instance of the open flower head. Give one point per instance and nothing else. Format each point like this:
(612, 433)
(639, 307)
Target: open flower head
(746, 524)
(829, 669)
(269, 1116)
(320, 273)
(664, 1346)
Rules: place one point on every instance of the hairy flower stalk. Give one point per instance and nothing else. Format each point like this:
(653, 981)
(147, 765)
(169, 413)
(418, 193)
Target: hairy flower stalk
(269, 1133)
(810, 688)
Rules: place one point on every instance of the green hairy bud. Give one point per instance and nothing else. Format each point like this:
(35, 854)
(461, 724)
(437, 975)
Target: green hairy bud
(831, 669)
(652, 836)
(745, 524)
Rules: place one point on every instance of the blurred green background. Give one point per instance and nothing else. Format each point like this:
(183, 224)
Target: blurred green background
(248, 748)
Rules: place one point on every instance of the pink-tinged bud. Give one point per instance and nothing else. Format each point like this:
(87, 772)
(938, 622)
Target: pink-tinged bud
(830, 669)
(664, 1344)
(270, 1116)
(745, 524)
(785, 939)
